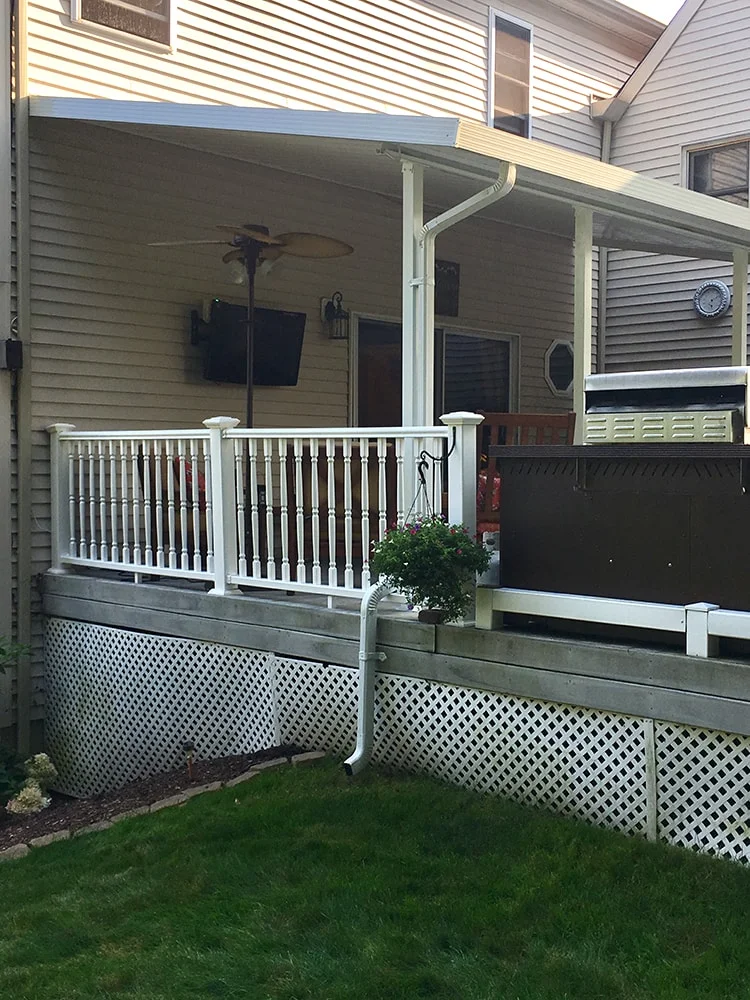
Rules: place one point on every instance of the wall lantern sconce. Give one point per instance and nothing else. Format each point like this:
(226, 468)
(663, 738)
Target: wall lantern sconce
(335, 317)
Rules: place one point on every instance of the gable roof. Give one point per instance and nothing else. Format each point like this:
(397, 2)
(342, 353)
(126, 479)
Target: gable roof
(613, 108)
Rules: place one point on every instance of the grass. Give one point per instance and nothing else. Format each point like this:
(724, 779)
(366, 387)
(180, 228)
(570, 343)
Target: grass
(303, 884)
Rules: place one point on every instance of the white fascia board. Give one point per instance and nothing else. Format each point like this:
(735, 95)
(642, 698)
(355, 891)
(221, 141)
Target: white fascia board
(646, 67)
(611, 190)
(414, 129)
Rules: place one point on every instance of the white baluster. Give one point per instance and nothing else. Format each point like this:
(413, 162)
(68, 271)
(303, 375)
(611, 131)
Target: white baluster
(72, 505)
(195, 505)
(299, 510)
(135, 480)
(254, 523)
(124, 506)
(171, 519)
(148, 521)
(400, 499)
(83, 549)
(209, 507)
(239, 501)
(315, 506)
(159, 504)
(93, 546)
(382, 494)
(284, 511)
(104, 545)
(331, 465)
(183, 505)
(364, 461)
(268, 485)
(113, 501)
(348, 542)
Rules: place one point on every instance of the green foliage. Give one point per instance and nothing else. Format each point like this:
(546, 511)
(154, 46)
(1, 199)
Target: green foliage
(12, 774)
(432, 563)
(9, 652)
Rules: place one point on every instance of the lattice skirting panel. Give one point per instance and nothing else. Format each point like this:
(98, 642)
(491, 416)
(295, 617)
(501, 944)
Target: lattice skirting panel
(120, 705)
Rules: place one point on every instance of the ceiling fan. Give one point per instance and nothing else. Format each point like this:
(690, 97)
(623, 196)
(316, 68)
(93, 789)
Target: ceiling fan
(252, 244)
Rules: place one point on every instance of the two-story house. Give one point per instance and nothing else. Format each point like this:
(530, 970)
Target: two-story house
(134, 127)
(449, 146)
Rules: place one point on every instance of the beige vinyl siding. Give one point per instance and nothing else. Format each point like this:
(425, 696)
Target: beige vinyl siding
(110, 316)
(697, 95)
(391, 56)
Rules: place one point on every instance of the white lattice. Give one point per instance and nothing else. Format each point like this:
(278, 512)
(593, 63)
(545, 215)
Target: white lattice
(572, 760)
(702, 789)
(317, 704)
(121, 704)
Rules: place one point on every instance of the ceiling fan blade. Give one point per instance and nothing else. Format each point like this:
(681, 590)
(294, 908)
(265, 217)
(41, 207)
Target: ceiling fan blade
(233, 255)
(188, 243)
(250, 233)
(313, 245)
(272, 253)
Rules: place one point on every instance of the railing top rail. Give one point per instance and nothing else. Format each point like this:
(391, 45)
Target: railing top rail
(339, 432)
(192, 433)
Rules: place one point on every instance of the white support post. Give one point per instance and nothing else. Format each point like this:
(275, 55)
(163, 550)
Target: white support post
(486, 616)
(224, 511)
(462, 468)
(739, 308)
(412, 291)
(582, 311)
(60, 525)
(413, 221)
(698, 640)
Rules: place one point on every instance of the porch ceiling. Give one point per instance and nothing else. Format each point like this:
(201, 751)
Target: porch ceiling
(363, 151)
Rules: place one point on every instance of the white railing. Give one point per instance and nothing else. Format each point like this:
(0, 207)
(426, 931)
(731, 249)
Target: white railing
(293, 509)
(701, 624)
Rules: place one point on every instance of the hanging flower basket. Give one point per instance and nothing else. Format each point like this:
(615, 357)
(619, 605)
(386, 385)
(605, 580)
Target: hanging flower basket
(432, 563)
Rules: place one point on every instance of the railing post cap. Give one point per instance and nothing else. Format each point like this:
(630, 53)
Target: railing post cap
(59, 428)
(461, 418)
(223, 423)
(702, 606)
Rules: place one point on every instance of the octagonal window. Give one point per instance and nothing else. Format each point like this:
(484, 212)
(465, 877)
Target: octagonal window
(558, 367)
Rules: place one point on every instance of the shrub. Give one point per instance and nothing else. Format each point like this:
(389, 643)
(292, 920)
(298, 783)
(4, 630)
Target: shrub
(432, 563)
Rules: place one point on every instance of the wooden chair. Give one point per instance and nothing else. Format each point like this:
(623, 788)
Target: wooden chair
(512, 429)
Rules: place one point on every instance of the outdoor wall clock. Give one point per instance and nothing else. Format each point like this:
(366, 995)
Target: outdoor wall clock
(712, 299)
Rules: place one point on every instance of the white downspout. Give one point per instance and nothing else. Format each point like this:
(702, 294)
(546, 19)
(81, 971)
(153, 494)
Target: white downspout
(368, 657)
(425, 331)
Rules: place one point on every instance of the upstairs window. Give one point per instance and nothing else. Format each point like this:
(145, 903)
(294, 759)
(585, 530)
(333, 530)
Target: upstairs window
(721, 172)
(511, 75)
(149, 19)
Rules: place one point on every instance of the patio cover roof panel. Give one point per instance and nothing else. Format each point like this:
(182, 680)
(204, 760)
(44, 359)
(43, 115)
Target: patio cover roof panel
(631, 211)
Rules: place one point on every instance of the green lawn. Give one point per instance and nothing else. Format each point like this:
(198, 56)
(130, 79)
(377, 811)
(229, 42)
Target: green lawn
(305, 884)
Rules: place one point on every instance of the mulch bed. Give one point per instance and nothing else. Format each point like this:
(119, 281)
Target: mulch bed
(65, 813)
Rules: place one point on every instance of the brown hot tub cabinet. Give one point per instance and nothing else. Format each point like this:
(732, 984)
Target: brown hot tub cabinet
(650, 518)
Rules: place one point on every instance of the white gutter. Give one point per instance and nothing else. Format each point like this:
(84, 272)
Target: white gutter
(368, 657)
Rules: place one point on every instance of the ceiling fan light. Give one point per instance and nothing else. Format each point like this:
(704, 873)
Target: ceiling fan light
(237, 272)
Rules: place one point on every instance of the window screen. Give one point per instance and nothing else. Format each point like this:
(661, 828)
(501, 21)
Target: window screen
(722, 172)
(143, 18)
(512, 77)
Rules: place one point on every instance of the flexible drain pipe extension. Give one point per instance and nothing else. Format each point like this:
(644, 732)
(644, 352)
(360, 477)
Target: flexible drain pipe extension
(368, 657)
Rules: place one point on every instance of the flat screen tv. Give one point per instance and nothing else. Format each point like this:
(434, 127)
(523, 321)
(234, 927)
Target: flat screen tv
(277, 350)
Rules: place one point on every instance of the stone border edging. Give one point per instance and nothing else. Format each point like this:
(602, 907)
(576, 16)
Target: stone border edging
(178, 799)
